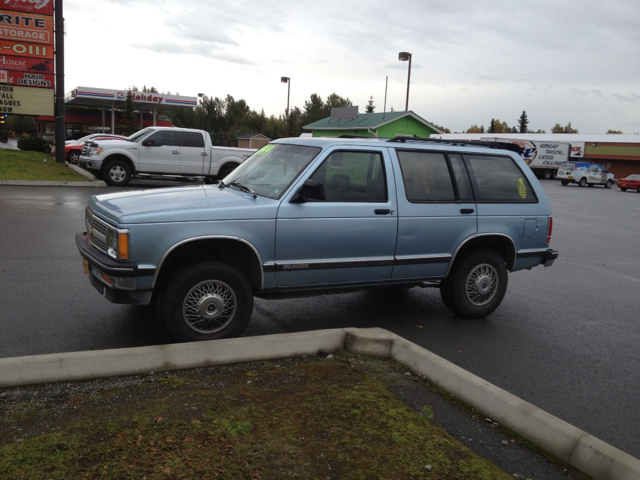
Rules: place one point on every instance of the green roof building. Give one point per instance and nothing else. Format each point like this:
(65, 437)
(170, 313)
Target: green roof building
(383, 125)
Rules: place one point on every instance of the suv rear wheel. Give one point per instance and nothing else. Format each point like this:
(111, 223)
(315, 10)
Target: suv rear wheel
(207, 301)
(582, 182)
(476, 286)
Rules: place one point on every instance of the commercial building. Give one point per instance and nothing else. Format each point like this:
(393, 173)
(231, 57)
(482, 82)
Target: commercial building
(99, 110)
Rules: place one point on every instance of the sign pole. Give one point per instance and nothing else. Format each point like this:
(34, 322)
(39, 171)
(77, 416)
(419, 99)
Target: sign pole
(60, 113)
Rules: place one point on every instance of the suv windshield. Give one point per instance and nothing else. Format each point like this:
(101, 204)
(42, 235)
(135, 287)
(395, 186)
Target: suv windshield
(271, 170)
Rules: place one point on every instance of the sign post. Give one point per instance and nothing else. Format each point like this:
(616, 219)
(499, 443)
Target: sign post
(60, 114)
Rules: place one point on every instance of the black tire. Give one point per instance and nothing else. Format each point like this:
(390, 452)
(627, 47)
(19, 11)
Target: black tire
(546, 174)
(638, 190)
(564, 182)
(226, 170)
(73, 157)
(608, 184)
(207, 301)
(476, 286)
(624, 189)
(116, 173)
(582, 182)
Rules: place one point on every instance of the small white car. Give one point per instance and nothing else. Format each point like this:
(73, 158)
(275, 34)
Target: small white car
(584, 173)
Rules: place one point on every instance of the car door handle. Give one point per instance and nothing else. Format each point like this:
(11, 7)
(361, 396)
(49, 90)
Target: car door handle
(466, 210)
(176, 151)
(383, 211)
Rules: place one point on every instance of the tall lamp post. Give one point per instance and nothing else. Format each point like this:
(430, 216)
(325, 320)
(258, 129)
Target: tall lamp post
(201, 97)
(403, 57)
(287, 80)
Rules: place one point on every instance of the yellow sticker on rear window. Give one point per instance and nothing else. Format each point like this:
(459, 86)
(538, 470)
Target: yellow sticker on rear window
(522, 188)
(264, 150)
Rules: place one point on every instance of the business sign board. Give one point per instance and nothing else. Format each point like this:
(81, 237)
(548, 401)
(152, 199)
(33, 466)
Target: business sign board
(137, 97)
(26, 27)
(22, 49)
(43, 7)
(26, 100)
(577, 149)
(539, 153)
(26, 79)
(26, 64)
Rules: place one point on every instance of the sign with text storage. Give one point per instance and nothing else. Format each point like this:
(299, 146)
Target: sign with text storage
(26, 100)
(26, 27)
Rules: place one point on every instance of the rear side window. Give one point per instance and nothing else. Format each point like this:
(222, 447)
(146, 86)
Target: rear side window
(426, 177)
(498, 179)
(192, 139)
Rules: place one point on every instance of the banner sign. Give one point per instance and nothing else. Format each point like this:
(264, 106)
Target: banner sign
(25, 64)
(22, 49)
(26, 27)
(42, 80)
(43, 7)
(26, 100)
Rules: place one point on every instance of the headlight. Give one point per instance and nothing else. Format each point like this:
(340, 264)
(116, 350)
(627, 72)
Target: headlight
(95, 150)
(117, 243)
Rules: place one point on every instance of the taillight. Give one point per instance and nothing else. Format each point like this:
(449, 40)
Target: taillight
(550, 229)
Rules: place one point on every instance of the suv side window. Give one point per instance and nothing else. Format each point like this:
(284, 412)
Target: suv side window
(426, 176)
(163, 138)
(498, 179)
(350, 176)
(192, 139)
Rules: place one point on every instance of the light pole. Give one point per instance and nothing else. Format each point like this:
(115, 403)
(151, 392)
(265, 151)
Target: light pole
(287, 80)
(403, 57)
(201, 97)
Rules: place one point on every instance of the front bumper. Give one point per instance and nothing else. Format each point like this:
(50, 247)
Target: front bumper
(115, 280)
(90, 163)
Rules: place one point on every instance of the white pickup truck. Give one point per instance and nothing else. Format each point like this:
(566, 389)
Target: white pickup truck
(178, 152)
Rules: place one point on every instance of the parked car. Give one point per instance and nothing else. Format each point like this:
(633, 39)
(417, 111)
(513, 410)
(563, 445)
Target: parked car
(309, 216)
(73, 148)
(584, 173)
(632, 182)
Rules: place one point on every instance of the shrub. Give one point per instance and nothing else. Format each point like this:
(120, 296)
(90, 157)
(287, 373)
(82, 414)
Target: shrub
(34, 144)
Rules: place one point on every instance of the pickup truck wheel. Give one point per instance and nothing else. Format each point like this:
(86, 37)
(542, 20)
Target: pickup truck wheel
(116, 173)
(564, 182)
(582, 182)
(224, 171)
(477, 285)
(207, 301)
(608, 184)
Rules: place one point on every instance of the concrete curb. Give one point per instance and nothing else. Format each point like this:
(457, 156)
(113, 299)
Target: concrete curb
(576, 447)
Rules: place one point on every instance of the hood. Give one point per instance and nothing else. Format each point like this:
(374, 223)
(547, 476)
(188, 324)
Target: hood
(181, 204)
(112, 143)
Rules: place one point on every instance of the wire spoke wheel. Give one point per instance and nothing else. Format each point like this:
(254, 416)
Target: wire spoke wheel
(481, 285)
(209, 306)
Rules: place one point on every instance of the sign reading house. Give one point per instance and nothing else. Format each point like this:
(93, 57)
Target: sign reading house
(26, 57)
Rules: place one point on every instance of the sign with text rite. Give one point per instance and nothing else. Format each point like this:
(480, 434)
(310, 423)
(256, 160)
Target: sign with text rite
(27, 57)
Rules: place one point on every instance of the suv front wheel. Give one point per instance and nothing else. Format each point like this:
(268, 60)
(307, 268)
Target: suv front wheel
(207, 301)
(476, 286)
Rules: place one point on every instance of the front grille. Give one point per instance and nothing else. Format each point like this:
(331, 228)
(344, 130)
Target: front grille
(97, 230)
(85, 149)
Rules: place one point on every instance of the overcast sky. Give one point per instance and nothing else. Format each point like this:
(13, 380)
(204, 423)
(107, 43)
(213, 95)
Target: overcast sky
(561, 61)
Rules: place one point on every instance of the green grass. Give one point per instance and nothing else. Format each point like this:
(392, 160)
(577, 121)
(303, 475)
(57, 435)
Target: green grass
(19, 165)
(311, 420)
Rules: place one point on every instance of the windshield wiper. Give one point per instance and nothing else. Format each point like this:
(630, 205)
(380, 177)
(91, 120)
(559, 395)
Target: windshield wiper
(242, 187)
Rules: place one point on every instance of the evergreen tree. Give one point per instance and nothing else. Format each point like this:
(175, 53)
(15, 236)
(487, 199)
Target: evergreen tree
(492, 126)
(129, 117)
(370, 108)
(523, 123)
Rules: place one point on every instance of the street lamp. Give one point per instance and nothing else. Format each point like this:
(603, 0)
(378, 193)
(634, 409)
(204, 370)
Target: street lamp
(403, 57)
(287, 80)
(201, 97)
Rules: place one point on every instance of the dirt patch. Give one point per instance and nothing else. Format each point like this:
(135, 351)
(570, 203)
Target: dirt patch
(332, 417)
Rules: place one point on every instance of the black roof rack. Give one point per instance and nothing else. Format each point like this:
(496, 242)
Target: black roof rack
(476, 143)
(359, 136)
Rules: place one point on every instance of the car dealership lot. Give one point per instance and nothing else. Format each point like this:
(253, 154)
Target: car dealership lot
(565, 338)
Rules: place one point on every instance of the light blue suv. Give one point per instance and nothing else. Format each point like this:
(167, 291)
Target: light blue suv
(304, 216)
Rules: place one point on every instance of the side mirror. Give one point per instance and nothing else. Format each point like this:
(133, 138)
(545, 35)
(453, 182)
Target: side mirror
(310, 190)
(148, 143)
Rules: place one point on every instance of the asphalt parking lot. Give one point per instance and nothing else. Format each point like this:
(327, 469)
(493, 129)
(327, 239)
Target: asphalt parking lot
(565, 337)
